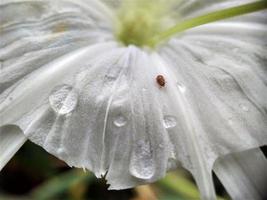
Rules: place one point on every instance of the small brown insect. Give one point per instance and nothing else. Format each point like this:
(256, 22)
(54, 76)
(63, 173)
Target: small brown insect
(161, 80)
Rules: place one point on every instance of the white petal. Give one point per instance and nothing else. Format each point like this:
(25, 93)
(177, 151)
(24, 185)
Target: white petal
(244, 175)
(221, 70)
(11, 139)
(226, 79)
(25, 95)
(187, 137)
(97, 105)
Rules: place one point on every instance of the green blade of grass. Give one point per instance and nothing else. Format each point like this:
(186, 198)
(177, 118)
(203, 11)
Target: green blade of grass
(60, 184)
(176, 182)
(181, 185)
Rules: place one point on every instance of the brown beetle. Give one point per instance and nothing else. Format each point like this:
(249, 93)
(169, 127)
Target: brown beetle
(161, 80)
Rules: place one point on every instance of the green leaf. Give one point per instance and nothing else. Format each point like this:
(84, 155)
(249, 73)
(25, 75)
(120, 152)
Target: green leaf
(179, 184)
(60, 184)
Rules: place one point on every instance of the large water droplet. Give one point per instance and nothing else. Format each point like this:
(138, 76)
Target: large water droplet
(244, 107)
(120, 121)
(169, 121)
(63, 99)
(142, 164)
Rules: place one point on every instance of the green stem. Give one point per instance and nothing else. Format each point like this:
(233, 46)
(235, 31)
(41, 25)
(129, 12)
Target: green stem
(204, 19)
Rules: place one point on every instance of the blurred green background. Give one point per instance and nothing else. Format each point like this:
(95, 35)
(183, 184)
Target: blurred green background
(33, 174)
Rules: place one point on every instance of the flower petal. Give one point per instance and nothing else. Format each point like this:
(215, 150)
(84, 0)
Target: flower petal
(232, 81)
(187, 136)
(221, 70)
(244, 175)
(97, 105)
(11, 139)
(42, 31)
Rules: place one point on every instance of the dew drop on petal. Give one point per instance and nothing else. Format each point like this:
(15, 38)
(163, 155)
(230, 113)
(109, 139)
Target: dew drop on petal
(63, 99)
(181, 87)
(142, 164)
(120, 121)
(169, 121)
(61, 151)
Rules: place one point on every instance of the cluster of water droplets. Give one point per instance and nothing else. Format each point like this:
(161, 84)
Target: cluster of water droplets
(63, 99)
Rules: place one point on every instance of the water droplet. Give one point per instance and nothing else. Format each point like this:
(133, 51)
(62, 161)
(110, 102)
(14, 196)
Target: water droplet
(244, 107)
(120, 121)
(142, 164)
(63, 99)
(181, 87)
(169, 121)
(61, 151)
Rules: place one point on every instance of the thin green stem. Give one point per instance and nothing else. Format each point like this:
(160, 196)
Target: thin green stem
(211, 17)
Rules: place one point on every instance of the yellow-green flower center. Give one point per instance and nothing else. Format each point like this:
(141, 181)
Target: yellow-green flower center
(141, 20)
(149, 22)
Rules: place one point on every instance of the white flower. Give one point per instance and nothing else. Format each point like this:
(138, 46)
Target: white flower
(67, 84)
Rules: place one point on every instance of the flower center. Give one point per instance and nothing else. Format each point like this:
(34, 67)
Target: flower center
(141, 20)
(149, 22)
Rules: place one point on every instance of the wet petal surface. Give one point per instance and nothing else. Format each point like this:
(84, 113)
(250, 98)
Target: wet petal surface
(97, 105)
